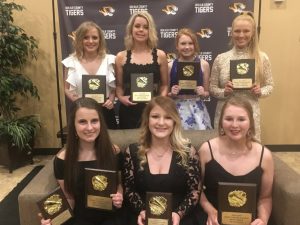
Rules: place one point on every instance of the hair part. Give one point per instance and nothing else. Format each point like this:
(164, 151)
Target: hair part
(177, 142)
(152, 39)
(80, 33)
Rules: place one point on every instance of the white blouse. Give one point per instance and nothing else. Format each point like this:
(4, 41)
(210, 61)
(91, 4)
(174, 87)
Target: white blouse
(76, 71)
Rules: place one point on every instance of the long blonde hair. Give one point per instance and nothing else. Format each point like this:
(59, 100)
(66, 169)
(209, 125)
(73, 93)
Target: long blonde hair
(254, 51)
(177, 142)
(152, 39)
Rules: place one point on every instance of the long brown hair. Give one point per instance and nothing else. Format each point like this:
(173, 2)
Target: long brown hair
(105, 152)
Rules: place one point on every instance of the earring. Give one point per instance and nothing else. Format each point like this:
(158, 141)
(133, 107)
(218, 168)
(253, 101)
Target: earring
(222, 132)
(248, 133)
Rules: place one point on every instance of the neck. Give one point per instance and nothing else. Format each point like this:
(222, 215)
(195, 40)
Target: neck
(140, 47)
(235, 147)
(186, 59)
(90, 56)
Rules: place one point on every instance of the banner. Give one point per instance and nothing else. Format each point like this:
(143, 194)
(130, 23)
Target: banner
(210, 19)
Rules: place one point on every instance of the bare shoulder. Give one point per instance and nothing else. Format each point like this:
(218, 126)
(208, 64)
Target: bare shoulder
(204, 63)
(204, 150)
(161, 53)
(61, 154)
(120, 57)
(116, 149)
(267, 158)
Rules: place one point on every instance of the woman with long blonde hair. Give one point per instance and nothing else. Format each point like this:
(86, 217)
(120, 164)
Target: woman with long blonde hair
(162, 161)
(245, 46)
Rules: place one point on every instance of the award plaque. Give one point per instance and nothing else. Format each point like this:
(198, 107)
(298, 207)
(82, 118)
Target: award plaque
(187, 73)
(236, 203)
(55, 207)
(242, 73)
(94, 86)
(158, 208)
(99, 184)
(141, 87)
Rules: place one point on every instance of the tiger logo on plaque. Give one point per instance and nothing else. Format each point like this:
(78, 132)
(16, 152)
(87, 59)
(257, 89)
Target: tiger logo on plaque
(55, 207)
(158, 208)
(94, 86)
(242, 68)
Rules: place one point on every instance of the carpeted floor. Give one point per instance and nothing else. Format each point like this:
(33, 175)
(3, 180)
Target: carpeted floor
(9, 209)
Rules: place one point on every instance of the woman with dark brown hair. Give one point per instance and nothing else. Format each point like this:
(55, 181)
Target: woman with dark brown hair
(88, 146)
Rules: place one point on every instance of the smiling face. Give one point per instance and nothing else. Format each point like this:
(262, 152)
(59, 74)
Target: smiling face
(242, 33)
(87, 124)
(185, 48)
(91, 41)
(161, 124)
(140, 29)
(235, 122)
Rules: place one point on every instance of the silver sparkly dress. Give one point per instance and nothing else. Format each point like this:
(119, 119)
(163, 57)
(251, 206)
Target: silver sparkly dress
(220, 76)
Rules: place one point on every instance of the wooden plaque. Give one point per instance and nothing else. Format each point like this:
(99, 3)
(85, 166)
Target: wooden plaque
(187, 73)
(242, 73)
(158, 208)
(141, 87)
(236, 203)
(94, 86)
(99, 184)
(55, 207)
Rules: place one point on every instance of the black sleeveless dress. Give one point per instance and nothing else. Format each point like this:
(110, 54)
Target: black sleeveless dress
(215, 173)
(130, 116)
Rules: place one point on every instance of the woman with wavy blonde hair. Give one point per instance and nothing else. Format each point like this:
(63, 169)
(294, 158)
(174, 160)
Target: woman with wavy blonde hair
(90, 58)
(162, 161)
(140, 56)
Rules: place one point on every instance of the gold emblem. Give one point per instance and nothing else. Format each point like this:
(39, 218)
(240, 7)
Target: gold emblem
(94, 84)
(107, 11)
(53, 204)
(188, 70)
(141, 82)
(242, 68)
(99, 182)
(170, 9)
(158, 205)
(237, 198)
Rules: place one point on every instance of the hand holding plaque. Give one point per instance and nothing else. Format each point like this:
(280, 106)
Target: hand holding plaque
(55, 207)
(158, 208)
(187, 73)
(242, 73)
(141, 87)
(236, 203)
(99, 185)
(94, 86)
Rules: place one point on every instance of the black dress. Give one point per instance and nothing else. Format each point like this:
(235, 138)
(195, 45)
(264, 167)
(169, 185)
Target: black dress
(180, 181)
(215, 173)
(130, 116)
(83, 215)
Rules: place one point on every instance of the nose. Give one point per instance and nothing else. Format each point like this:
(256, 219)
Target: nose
(89, 126)
(161, 120)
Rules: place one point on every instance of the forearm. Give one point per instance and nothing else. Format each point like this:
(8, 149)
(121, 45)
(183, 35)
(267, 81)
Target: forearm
(264, 208)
